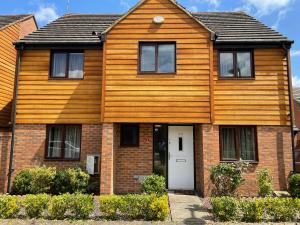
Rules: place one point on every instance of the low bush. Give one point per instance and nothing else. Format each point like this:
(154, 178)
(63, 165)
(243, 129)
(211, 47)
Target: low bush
(35, 205)
(154, 184)
(9, 206)
(265, 183)
(72, 180)
(226, 178)
(147, 207)
(225, 208)
(294, 185)
(81, 206)
(255, 210)
(48, 180)
(58, 206)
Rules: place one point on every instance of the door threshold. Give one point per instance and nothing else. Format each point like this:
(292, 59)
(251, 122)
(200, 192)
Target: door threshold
(183, 192)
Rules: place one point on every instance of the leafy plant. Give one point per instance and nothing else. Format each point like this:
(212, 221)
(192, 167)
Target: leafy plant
(281, 209)
(9, 206)
(225, 208)
(34, 205)
(154, 184)
(58, 206)
(22, 182)
(81, 206)
(109, 205)
(294, 185)
(226, 178)
(158, 209)
(252, 210)
(265, 183)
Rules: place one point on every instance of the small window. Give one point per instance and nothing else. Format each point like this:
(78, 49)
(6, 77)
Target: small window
(238, 143)
(157, 57)
(129, 135)
(63, 142)
(68, 65)
(236, 64)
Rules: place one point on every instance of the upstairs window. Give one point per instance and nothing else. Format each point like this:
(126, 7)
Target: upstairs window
(236, 64)
(67, 65)
(238, 143)
(157, 57)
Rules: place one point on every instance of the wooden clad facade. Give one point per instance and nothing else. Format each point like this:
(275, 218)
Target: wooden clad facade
(263, 100)
(44, 100)
(8, 35)
(133, 97)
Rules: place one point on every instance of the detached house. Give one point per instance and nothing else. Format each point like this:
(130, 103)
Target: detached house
(12, 28)
(157, 89)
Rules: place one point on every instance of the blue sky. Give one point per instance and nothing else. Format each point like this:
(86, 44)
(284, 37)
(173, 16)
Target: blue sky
(282, 15)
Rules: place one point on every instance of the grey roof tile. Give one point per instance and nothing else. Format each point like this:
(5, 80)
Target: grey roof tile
(228, 26)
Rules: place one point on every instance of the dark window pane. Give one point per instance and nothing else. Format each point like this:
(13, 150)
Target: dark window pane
(247, 143)
(166, 58)
(228, 144)
(72, 142)
(129, 135)
(226, 65)
(160, 150)
(54, 142)
(96, 165)
(244, 64)
(76, 65)
(147, 58)
(59, 65)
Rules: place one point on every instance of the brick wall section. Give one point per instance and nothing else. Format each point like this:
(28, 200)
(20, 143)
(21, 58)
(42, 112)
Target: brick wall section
(30, 146)
(107, 159)
(274, 149)
(5, 139)
(131, 161)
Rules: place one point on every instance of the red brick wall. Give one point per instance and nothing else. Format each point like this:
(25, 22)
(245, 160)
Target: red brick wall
(5, 138)
(30, 146)
(131, 161)
(274, 150)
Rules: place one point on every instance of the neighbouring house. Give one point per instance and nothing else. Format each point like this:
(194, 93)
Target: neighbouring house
(296, 93)
(12, 28)
(158, 89)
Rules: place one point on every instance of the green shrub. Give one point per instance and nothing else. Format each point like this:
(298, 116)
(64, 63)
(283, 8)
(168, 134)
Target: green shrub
(59, 205)
(226, 178)
(265, 183)
(252, 210)
(109, 205)
(34, 181)
(280, 209)
(294, 185)
(9, 206)
(81, 206)
(154, 184)
(158, 209)
(133, 206)
(72, 180)
(225, 208)
(35, 205)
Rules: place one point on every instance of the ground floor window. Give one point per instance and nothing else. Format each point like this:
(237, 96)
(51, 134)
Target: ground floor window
(160, 143)
(238, 143)
(63, 142)
(129, 135)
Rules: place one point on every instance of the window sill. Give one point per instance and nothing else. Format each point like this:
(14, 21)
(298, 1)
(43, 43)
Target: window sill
(62, 160)
(65, 78)
(155, 75)
(235, 161)
(235, 78)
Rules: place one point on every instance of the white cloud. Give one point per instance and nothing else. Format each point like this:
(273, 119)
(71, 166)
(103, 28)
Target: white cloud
(296, 81)
(214, 3)
(193, 8)
(265, 7)
(280, 16)
(125, 4)
(46, 14)
(295, 53)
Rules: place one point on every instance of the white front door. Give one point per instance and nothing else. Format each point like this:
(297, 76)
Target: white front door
(181, 158)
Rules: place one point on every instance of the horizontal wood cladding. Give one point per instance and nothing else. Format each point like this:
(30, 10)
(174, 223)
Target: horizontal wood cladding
(261, 101)
(182, 97)
(41, 100)
(7, 71)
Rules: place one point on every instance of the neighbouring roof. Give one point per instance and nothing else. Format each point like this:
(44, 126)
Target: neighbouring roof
(296, 94)
(6, 20)
(229, 27)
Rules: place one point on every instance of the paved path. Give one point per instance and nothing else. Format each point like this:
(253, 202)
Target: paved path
(188, 209)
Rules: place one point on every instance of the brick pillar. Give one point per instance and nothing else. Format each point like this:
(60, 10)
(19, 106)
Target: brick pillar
(107, 159)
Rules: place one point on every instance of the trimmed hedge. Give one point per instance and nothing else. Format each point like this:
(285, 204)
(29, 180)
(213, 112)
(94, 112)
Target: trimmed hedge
(146, 207)
(154, 184)
(80, 206)
(256, 209)
(294, 185)
(50, 181)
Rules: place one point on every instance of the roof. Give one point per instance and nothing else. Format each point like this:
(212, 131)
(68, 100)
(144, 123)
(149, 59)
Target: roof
(296, 94)
(229, 27)
(6, 20)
